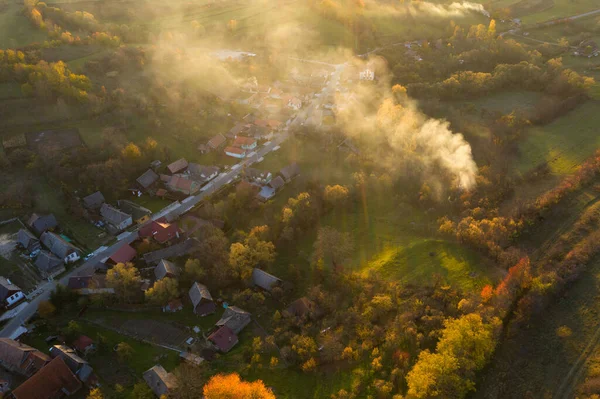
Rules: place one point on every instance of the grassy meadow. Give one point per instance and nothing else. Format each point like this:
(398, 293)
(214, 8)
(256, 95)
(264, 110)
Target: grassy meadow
(565, 143)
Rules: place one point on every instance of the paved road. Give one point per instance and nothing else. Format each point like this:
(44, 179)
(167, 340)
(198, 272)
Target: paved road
(223, 179)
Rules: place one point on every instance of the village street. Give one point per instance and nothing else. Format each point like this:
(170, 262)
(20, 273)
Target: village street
(13, 326)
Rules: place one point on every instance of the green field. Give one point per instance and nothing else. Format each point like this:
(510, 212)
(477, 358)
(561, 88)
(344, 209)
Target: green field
(15, 28)
(508, 101)
(560, 9)
(565, 143)
(10, 90)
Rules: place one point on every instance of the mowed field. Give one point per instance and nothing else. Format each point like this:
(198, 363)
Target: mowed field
(554, 9)
(565, 143)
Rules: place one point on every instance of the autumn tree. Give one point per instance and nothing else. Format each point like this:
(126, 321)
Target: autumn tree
(163, 291)
(131, 152)
(331, 245)
(252, 252)
(336, 195)
(46, 309)
(95, 393)
(124, 278)
(141, 390)
(193, 271)
(124, 351)
(231, 386)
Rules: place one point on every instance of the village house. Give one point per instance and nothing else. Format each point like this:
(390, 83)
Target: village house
(146, 180)
(178, 166)
(55, 380)
(119, 220)
(165, 269)
(277, 183)
(260, 132)
(183, 248)
(237, 129)
(264, 280)
(28, 241)
(138, 213)
(60, 247)
(48, 264)
(84, 345)
(223, 338)
(77, 365)
(89, 285)
(301, 307)
(294, 103)
(201, 300)
(191, 358)
(42, 223)
(93, 201)
(173, 306)
(159, 380)
(290, 171)
(202, 173)
(367, 74)
(235, 152)
(217, 142)
(183, 185)
(20, 358)
(160, 230)
(9, 292)
(235, 318)
(257, 176)
(245, 143)
(125, 253)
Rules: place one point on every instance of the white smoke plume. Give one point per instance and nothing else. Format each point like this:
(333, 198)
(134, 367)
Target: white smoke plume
(456, 9)
(405, 140)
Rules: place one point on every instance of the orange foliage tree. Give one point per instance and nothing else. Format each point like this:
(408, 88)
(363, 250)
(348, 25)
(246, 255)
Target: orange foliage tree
(231, 386)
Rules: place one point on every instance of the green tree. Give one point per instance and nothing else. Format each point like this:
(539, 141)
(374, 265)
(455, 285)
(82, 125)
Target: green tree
(253, 252)
(193, 270)
(46, 309)
(141, 390)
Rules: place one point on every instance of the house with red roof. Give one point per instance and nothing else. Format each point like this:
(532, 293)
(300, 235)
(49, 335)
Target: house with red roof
(223, 338)
(235, 152)
(160, 230)
(123, 255)
(55, 380)
(183, 185)
(84, 345)
(245, 143)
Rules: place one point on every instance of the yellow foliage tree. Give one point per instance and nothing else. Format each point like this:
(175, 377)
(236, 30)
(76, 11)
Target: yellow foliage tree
(231, 386)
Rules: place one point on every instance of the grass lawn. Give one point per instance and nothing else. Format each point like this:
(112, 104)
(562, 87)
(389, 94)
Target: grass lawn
(564, 143)
(15, 29)
(537, 359)
(509, 101)
(423, 259)
(12, 266)
(155, 204)
(10, 90)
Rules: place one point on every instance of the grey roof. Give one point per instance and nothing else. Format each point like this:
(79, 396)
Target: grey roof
(183, 248)
(41, 223)
(264, 280)
(7, 288)
(178, 165)
(202, 170)
(277, 183)
(217, 141)
(290, 171)
(199, 292)
(112, 215)
(147, 179)
(94, 201)
(28, 240)
(47, 262)
(136, 211)
(165, 267)
(159, 380)
(235, 318)
(57, 245)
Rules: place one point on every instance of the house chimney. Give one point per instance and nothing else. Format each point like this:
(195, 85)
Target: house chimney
(8, 281)
(229, 339)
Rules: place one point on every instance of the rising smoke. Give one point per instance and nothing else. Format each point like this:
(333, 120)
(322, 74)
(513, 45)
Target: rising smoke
(405, 140)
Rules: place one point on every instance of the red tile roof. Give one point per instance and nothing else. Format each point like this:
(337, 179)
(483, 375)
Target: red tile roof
(124, 254)
(224, 338)
(240, 141)
(166, 232)
(235, 150)
(180, 183)
(82, 343)
(52, 381)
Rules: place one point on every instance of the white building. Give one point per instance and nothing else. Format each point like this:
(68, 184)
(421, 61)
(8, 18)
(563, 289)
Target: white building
(367, 74)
